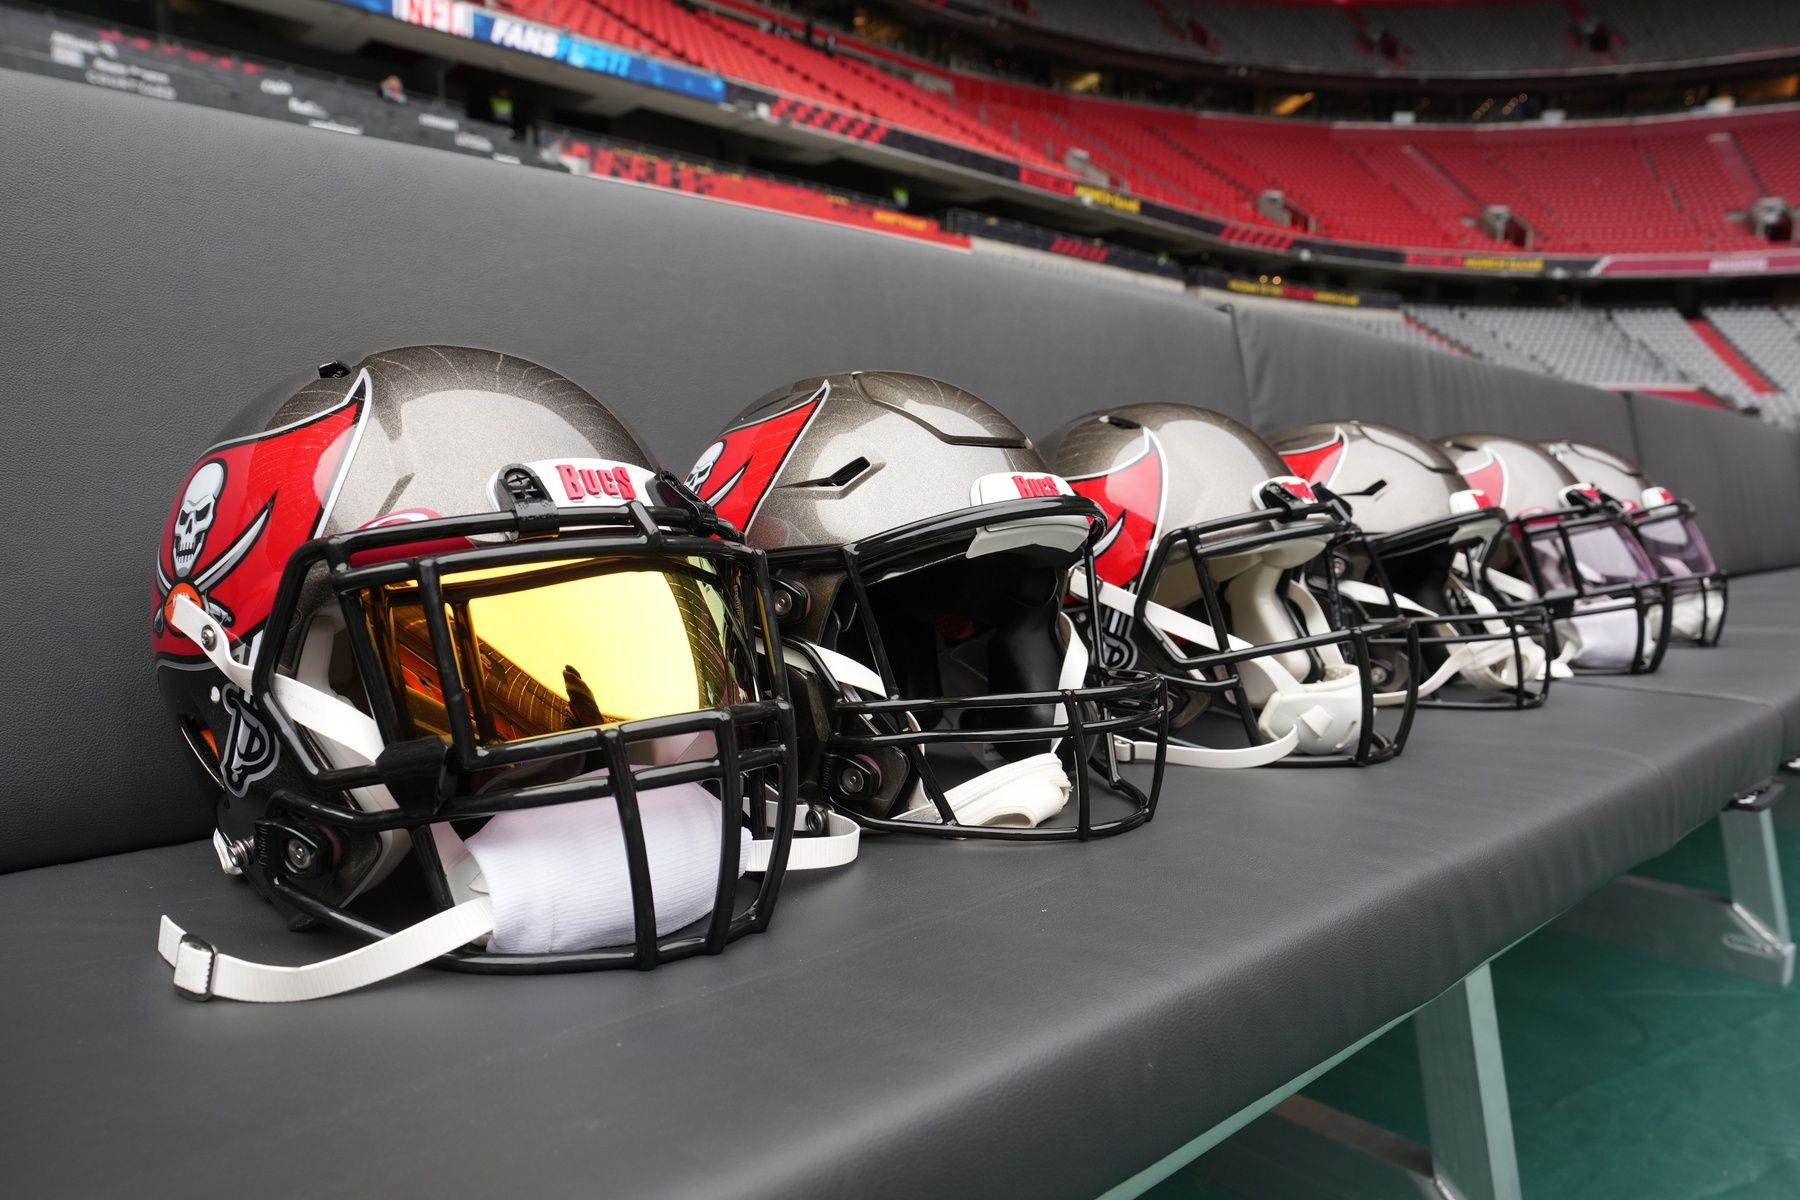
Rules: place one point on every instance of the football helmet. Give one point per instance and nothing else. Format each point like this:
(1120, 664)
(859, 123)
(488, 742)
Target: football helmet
(1572, 550)
(1204, 577)
(1670, 535)
(1418, 514)
(921, 550)
(437, 625)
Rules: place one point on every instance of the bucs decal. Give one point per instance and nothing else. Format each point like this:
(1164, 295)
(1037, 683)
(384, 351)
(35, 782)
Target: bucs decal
(1318, 464)
(242, 511)
(1485, 473)
(737, 471)
(1035, 485)
(1132, 495)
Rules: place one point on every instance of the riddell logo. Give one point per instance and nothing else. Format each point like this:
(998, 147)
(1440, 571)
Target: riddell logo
(1035, 485)
(579, 483)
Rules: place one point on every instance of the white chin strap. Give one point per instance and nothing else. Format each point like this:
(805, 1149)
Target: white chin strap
(1693, 618)
(1304, 718)
(552, 879)
(1489, 665)
(1019, 795)
(1518, 591)
(1603, 641)
(1022, 794)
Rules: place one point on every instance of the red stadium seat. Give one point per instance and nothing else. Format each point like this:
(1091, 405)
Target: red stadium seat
(1644, 186)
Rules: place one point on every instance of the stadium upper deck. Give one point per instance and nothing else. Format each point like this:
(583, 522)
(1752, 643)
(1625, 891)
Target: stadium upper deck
(1649, 185)
(1412, 38)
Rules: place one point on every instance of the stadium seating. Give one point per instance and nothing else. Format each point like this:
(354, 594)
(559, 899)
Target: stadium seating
(1650, 186)
(1462, 39)
(1472, 336)
(1294, 36)
(1575, 344)
(1772, 152)
(1674, 341)
(1770, 339)
(1524, 35)
(763, 191)
(776, 61)
(1637, 347)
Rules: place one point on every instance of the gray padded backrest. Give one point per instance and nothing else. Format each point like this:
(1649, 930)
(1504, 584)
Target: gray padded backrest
(1349, 373)
(165, 263)
(1743, 477)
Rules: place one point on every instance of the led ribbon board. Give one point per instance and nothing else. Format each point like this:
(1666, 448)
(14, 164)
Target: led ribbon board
(480, 24)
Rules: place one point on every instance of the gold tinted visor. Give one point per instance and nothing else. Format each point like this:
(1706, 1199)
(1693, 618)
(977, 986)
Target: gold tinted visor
(549, 647)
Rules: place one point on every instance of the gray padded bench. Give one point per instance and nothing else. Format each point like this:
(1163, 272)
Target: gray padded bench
(942, 1019)
(963, 1018)
(1767, 602)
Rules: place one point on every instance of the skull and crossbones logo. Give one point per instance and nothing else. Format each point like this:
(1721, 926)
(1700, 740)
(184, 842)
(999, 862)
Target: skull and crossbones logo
(194, 519)
(703, 469)
(199, 509)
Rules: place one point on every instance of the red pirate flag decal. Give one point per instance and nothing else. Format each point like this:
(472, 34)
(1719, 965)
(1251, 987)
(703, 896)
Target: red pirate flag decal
(1486, 474)
(1317, 464)
(243, 510)
(1132, 496)
(737, 471)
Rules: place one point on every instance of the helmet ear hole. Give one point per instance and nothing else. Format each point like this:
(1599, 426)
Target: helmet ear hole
(205, 746)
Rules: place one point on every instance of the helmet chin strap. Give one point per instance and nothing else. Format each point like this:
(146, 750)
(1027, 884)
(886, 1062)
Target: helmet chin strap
(1601, 640)
(1487, 665)
(1606, 641)
(533, 880)
(1518, 590)
(1300, 720)
(1693, 619)
(1022, 794)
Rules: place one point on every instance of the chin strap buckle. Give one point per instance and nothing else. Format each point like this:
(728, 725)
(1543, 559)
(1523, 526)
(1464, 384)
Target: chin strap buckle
(1124, 749)
(194, 959)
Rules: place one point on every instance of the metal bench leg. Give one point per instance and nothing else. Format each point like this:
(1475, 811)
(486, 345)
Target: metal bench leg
(1787, 809)
(1465, 1093)
(1304, 1150)
(1745, 933)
